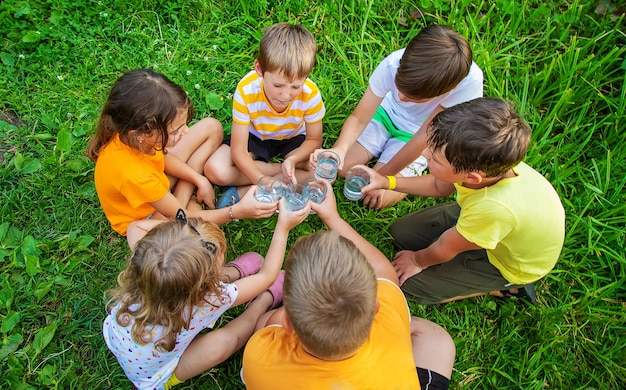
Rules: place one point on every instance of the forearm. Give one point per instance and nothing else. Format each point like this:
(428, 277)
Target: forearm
(425, 186)
(275, 254)
(374, 256)
(246, 165)
(303, 152)
(179, 169)
(350, 132)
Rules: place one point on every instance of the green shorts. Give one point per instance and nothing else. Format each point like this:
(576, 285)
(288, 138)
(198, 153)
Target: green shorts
(467, 273)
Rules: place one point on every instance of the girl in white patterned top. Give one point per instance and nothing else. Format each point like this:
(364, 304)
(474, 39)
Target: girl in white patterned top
(174, 287)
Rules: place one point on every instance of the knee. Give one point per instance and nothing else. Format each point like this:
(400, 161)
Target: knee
(212, 128)
(213, 172)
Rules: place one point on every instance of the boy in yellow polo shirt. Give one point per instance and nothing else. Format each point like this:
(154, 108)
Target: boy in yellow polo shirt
(345, 323)
(506, 229)
(277, 112)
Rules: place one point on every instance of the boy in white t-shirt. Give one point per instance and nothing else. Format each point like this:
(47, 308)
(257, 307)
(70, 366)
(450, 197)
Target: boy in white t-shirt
(407, 89)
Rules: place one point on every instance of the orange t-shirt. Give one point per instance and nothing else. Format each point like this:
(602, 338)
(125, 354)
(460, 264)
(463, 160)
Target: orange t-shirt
(274, 359)
(127, 181)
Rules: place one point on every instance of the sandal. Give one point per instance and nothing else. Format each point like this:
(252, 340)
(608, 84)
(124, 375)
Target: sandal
(247, 264)
(229, 197)
(526, 292)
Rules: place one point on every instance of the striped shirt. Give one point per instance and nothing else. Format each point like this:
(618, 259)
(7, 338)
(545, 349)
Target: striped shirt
(251, 108)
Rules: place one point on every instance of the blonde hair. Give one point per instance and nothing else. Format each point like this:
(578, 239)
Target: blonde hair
(174, 268)
(329, 294)
(289, 49)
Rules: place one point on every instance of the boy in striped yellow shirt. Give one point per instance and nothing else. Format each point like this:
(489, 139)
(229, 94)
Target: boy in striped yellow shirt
(277, 112)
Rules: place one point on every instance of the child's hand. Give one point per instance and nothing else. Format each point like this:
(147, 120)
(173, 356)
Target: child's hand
(374, 198)
(249, 207)
(328, 208)
(377, 181)
(206, 193)
(290, 219)
(313, 157)
(404, 262)
(289, 170)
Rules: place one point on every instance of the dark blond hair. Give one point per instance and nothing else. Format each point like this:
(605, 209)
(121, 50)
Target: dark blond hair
(172, 270)
(484, 134)
(434, 62)
(329, 294)
(288, 49)
(140, 100)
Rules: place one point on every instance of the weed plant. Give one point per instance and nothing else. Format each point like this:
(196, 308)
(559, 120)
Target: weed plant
(561, 63)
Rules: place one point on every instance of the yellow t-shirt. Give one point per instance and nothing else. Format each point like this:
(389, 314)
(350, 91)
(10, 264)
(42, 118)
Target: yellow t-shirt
(251, 108)
(274, 359)
(519, 221)
(127, 181)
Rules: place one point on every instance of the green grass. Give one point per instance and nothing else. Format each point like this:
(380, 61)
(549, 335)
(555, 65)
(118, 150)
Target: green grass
(561, 63)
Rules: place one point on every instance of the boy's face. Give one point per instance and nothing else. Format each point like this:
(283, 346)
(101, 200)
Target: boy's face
(440, 167)
(279, 91)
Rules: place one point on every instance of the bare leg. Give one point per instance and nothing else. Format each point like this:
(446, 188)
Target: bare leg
(195, 148)
(138, 229)
(221, 170)
(433, 348)
(210, 349)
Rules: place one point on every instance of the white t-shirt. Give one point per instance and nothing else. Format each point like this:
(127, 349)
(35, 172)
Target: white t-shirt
(148, 368)
(410, 116)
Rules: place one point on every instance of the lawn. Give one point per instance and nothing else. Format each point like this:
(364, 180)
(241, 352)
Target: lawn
(561, 63)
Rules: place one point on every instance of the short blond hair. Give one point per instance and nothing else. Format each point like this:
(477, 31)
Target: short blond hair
(288, 49)
(329, 295)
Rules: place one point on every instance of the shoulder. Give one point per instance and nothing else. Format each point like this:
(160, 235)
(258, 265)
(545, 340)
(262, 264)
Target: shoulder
(250, 83)
(390, 296)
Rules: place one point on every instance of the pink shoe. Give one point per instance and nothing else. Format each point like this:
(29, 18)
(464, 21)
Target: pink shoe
(276, 289)
(247, 264)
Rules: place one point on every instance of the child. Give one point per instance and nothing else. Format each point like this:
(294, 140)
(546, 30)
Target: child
(277, 112)
(507, 230)
(407, 89)
(345, 323)
(171, 290)
(143, 147)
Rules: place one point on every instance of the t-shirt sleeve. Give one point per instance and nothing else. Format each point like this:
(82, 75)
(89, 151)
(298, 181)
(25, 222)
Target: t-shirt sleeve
(241, 114)
(141, 189)
(315, 109)
(486, 224)
(471, 87)
(390, 295)
(383, 79)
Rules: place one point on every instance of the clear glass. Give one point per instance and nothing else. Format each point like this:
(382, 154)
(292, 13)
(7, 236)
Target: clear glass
(296, 196)
(327, 165)
(356, 179)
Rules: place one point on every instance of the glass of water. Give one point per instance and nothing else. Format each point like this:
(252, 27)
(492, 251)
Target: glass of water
(268, 190)
(327, 165)
(296, 196)
(317, 190)
(356, 178)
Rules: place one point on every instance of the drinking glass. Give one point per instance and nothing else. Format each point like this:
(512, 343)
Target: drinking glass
(317, 190)
(296, 196)
(327, 165)
(356, 178)
(268, 190)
